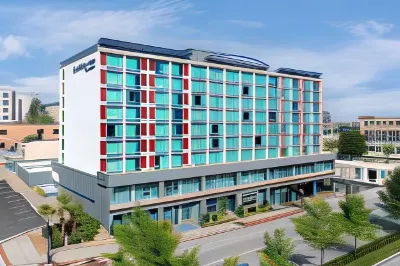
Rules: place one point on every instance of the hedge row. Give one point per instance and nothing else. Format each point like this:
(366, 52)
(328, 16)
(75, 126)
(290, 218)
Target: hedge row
(364, 250)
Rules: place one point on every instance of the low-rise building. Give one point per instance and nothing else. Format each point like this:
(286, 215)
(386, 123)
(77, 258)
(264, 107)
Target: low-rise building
(13, 105)
(53, 110)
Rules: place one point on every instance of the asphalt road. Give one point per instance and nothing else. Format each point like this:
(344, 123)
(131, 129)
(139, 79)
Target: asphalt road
(246, 242)
(393, 261)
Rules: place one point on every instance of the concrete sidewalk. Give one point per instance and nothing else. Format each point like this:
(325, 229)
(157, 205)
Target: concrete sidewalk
(21, 251)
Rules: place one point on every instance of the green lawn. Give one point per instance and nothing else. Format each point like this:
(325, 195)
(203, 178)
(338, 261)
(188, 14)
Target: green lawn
(378, 255)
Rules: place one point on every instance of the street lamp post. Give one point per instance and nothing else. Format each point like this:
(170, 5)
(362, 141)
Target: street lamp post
(302, 197)
(48, 242)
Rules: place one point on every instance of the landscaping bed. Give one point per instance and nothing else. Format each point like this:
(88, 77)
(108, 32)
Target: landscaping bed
(378, 255)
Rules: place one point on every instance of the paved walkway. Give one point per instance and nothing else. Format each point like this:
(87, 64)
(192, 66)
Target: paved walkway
(20, 251)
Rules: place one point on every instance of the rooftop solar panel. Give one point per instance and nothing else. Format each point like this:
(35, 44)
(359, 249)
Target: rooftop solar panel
(291, 71)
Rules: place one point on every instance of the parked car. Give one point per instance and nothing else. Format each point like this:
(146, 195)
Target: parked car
(243, 264)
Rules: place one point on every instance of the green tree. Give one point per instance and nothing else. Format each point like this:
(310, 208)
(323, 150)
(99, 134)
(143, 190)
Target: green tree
(387, 150)
(222, 205)
(146, 242)
(391, 196)
(46, 211)
(319, 226)
(30, 138)
(232, 261)
(352, 143)
(355, 219)
(37, 114)
(63, 200)
(74, 210)
(330, 144)
(56, 238)
(278, 248)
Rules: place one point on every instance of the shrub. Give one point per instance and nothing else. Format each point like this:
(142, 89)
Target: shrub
(222, 205)
(74, 238)
(30, 138)
(220, 222)
(88, 227)
(204, 218)
(39, 191)
(56, 238)
(240, 211)
(214, 217)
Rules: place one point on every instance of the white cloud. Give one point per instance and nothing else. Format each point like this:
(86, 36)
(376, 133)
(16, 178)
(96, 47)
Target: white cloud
(11, 46)
(47, 88)
(367, 29)
(246, 23)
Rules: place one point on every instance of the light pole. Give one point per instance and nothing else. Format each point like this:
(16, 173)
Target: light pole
(302, 197)
(48, 241)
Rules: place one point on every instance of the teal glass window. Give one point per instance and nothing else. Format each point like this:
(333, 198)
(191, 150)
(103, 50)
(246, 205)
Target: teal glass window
(176, 160)
(247, 77)
(232, 116)
(132, 63)
(247, 103)
(114, 113)
(216, 74)
(260, 154)
(176, 145)
(114, 60)
(132, 80)
(232, 143)
(261, 129)
(247, 142)
(114, 148)
(176, 99)
(273, 153)
(273, 128)
(216, 88)
(162, 130)
(273, 81)
(295, 95)
(177, 84)
(232, 103)
(198, 158)
(114, 165)
(113, 131)
(176, 69)
(199, 129)
(162, 145)
(216, 129)
(220, 181)
(247, 129)
(273, 92)
(177, 129)
(215, 157)
(307, 96)
(163, 162)
(146, 191)
(232, 129)
(216, 143)
(273, 141)
(162, 67)
(162, 98)
(295, 83)
(132, 113)
(216, 116)
(161, 83)
(132, 164)
(216, 102)
(232, 90)
(199, 144)
(246, 155)
(132, 97)
(132, 130)
(272, 104)
(177, 114)
(162, 114)
(261, 79)
(114, 95)
(232, 156)
(261, 104)
(247, 116)
(199, 72)
(316, 97)
(199, 86)
(181, 187)
(199, 115)
(296, 140)
(315, 86)
(261, 92)
(287, 83)
(198, 100)
(114, 78)
(232, 76)
(261, 117)
(308, 85)
(132, 147)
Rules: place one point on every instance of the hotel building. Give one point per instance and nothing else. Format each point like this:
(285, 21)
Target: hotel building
(380, 130)
(174, 130)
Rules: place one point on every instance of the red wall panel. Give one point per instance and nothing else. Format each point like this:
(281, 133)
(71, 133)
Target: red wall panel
(102, 112)
(152, 96)
(103, 94)
(143, 129)
(185, 114)
(103, 59)
(152, 65)
(143, 63)
(152, 145)
(185, 143)
(103, 148)
(144, 96)
(103, 165)
(151, 164)
(103, 130)
(143, 80)
(143, 145)
(152, 82)
(185, 159)
(143, 162)
(152, 113)
(185, 128)
(185, 84)
(185, 98)
(186, 70)
(152, 129)
(143, 112)
(103, 76)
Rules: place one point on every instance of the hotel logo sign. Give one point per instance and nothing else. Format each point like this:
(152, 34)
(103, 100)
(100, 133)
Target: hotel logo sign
(86, 66)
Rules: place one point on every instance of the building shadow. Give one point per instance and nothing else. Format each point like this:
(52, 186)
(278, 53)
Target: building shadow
(301, 259)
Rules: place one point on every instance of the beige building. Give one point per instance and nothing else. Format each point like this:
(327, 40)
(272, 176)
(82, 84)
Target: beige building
(380, 130)
(53, 109)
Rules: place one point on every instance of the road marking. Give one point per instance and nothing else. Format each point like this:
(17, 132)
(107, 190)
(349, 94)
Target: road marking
(256, 249)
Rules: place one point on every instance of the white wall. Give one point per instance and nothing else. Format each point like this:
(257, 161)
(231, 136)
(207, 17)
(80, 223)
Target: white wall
(81, 116)
(26, 103)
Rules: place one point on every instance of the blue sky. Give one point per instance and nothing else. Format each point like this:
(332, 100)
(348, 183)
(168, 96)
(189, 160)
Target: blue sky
(356, 44)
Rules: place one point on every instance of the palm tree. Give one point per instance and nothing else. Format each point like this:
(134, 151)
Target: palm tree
(74, 210)
(63, 200)
(46, 211)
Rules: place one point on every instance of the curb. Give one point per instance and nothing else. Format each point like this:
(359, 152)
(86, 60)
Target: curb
(383, 261)
(211, 234)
